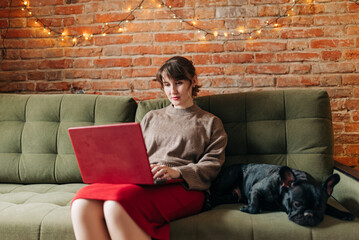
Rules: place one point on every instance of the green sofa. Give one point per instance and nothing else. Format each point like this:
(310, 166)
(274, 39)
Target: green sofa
(39, 173)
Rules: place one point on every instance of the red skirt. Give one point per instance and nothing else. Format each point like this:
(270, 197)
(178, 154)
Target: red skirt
(151, 207)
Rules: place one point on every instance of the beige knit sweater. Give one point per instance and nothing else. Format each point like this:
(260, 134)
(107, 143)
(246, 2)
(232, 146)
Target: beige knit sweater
(191, 139)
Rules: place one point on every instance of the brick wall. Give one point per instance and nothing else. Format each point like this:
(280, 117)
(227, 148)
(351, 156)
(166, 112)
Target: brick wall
(315, 47)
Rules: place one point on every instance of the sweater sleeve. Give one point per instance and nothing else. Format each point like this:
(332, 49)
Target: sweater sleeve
(199, 176)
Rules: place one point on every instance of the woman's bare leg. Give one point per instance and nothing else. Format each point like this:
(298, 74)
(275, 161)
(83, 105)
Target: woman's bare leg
(88, 220)
(120, 225)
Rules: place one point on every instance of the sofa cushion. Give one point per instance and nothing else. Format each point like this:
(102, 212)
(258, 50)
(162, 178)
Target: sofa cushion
(36, 211)
(34, 143)
(289, 127)
(227, 222)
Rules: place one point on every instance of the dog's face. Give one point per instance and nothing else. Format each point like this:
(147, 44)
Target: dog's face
(305, 202)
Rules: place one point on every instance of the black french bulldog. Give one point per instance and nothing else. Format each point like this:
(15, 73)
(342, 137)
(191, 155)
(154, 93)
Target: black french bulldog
(276, 188)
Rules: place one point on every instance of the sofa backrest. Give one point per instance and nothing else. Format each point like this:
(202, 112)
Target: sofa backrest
(287, 127)
(34, 143)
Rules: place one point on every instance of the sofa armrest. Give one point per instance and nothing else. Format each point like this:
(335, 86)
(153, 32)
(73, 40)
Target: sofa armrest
(347, 190)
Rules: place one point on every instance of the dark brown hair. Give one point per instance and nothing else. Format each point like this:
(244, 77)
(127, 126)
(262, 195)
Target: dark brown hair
(178, 68)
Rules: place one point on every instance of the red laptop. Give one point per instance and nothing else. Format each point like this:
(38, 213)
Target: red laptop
(114, 153)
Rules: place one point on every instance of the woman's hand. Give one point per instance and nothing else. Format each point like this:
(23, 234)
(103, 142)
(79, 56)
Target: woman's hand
(164, 172)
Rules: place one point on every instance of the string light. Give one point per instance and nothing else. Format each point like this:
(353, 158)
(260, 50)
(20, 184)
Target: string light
(193, 23)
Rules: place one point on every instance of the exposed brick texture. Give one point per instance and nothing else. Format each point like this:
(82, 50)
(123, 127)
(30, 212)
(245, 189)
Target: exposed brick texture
(315, 47)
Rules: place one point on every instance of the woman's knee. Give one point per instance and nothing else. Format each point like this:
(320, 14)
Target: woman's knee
(112, 209)
(84, 208)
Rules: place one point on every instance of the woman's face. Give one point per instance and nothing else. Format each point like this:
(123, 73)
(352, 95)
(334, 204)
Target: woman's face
(178, 92)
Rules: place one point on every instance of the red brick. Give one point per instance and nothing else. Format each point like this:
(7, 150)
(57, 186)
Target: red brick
(40, 43)
(266, 46)
(233, 58)
(56, 64)
(109, 40)
(333, 68)
(112, 17)
(18, 86)
(67, 10)
(12, 76)
(351, 54)
(112, 62)
(264, 57)
(112, 73)
(331, 55)
(267, 69)
(300, 68)
(347, 138)
(36, 75)
(173, 37)
(31, 54)
(142, 61)
(355, 115)
(352, 149)
(141, 72)
(353, 7)
(353, 30)
(352, 104)
(40, 3)
(342, 19)
(235, 69)
(237, 46)
(141, 49)
(209, 70)
(263, 81)
(52, 86)
(268, 10)
(330, 80)
(82, 52)
(351, 79)
(19, 65)
(204, 59)
(297, 57)
(110, 85)
(83, 63)
(175, 3)
(302, 33)
(297, 81)
(172, 49)
(349, 161)
(21, 33)
(203, 47)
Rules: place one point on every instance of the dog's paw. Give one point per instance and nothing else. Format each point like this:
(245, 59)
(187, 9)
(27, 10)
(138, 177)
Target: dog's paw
(249, 209)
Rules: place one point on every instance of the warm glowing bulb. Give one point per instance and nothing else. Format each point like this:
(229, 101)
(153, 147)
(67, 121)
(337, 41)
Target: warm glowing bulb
(120, 29)
(226, 34)
(276, 25)
(129, 9)
(30, 13)
(170, 6)
(44, 29)
(215, 34)
(194, 22)
(49, 33)
(159, 5)
(62, 39)
(23, 9)
(103, 34)
(259, 31)
(25, 3)
(74, 39)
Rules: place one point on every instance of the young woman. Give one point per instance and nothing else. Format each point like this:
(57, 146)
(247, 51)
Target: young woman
(182, 141)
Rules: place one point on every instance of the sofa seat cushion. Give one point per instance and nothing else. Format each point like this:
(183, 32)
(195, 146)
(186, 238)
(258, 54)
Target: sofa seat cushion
(228, 222)
(36, 211)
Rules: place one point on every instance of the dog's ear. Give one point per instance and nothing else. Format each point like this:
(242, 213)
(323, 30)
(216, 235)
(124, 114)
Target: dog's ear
(287, 176)
(329, 184)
